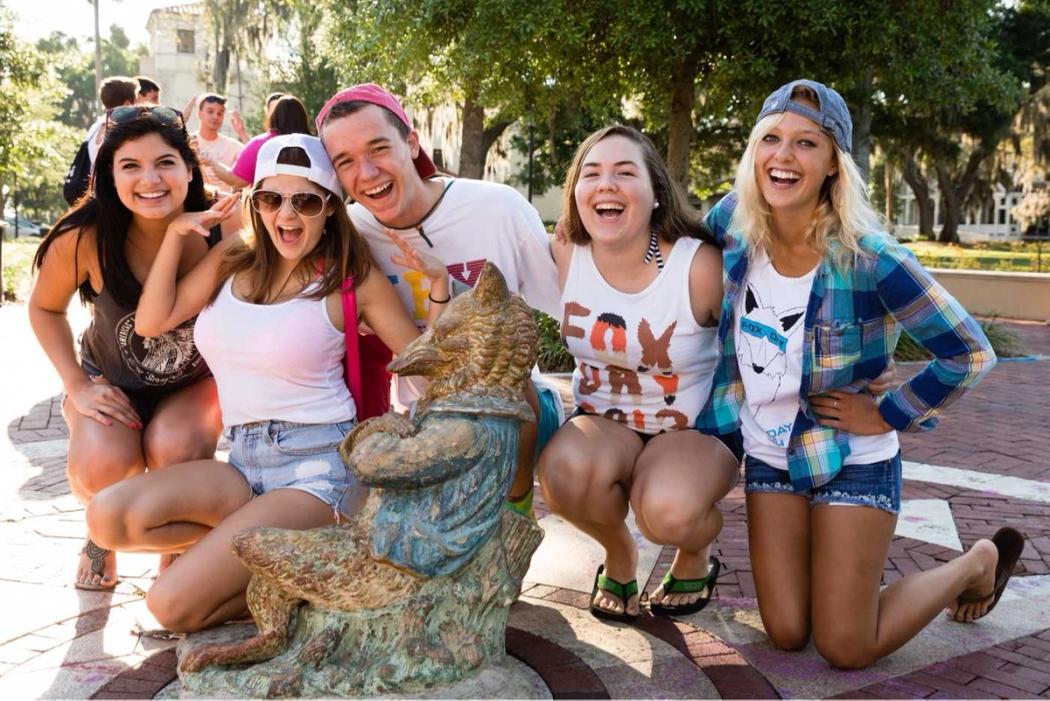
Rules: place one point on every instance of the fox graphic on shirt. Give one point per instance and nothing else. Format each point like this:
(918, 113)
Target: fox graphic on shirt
(765, 331)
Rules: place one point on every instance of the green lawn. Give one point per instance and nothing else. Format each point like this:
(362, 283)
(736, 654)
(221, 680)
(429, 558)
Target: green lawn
(1007, 257)
(18, 262)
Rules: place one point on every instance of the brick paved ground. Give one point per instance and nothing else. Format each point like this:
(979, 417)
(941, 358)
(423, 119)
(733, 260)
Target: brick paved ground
(84, 643)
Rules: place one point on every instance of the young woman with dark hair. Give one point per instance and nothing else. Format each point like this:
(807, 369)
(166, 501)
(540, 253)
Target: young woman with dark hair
(131, 403)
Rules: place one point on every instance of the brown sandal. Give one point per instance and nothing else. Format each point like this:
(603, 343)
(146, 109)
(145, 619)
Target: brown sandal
(98, 556)
(1010, 543)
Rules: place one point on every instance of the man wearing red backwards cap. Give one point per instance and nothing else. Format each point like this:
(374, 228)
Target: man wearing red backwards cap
(464, 222)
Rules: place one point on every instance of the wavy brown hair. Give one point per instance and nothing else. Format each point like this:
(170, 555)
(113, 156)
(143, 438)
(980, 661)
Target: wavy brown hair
(672, 220)
(341, 252)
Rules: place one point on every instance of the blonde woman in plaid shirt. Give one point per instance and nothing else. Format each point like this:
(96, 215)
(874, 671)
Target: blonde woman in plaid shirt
(814, 293)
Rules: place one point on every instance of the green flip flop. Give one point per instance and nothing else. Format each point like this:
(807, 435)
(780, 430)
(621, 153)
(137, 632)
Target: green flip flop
(621, 591)
(673, 585)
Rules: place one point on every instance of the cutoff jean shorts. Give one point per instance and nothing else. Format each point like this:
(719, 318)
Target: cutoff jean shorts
(877, 485)
(284, 455)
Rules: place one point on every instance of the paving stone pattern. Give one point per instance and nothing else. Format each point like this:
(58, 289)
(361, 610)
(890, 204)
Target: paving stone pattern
(80, 644)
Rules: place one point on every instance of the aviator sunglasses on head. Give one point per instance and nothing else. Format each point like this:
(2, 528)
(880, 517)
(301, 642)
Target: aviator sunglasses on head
(308, 204)
(129, 113)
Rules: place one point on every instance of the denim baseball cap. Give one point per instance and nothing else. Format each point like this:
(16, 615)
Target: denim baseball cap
(831, 114)
(377, 95)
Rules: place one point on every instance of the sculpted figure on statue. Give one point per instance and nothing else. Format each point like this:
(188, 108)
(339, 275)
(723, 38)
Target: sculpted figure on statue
(414, 592)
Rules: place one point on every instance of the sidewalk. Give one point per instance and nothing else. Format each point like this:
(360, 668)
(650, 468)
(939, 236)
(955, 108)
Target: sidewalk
(986, 465)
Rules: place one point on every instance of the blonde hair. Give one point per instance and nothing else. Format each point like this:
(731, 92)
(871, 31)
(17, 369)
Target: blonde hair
(844, 213)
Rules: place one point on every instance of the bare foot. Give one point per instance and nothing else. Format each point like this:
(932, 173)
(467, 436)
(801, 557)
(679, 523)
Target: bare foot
(97, 568)
(982, 584)
(685, 566)
(621, 566)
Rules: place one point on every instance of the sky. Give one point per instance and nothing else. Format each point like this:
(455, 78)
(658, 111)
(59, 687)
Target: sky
(38, 18)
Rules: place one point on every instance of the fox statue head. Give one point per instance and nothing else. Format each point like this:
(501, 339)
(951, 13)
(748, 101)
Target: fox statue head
(485, 343)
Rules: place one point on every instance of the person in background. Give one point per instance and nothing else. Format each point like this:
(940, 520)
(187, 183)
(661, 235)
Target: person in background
(148, 93)
(287, 115)
(215, 148)
(271, 99)
(115, 92)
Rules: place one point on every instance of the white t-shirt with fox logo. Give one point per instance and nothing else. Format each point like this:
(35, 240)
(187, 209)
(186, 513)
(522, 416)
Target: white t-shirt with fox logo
(768, 335)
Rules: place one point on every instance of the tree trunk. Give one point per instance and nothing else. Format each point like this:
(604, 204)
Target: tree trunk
(680, 124)
(862, 116)
(950, 198)
(887, 172)
(913, 175)
(472, 147)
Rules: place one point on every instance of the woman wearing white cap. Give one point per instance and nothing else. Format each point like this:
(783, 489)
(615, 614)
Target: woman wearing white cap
(815, 295)
(271, 327)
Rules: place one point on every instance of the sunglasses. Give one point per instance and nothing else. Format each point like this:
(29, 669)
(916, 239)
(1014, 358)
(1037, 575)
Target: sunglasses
(308, 204)
(129, 113)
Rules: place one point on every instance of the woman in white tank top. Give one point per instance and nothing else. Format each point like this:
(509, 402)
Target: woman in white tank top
(271, 328)
(640, 301)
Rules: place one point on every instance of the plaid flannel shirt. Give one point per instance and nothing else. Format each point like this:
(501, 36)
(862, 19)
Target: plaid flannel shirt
(851, 331)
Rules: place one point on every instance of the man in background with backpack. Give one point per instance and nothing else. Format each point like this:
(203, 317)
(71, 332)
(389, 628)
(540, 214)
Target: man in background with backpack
(115, 92)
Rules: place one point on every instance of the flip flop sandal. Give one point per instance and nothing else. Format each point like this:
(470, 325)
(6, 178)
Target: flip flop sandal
(1009, 542)
(98, 557)
(621, 591)
(673, 585)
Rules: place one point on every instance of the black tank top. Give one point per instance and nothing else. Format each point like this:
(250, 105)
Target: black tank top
(111, 347)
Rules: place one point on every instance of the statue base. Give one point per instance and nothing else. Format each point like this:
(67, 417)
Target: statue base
(439, 634)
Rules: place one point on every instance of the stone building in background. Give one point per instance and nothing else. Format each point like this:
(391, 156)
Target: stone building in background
(180, 55)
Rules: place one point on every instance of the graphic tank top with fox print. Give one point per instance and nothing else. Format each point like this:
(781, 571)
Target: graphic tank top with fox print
(641, 359)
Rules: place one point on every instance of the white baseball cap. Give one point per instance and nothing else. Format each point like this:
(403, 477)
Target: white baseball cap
(320, 171)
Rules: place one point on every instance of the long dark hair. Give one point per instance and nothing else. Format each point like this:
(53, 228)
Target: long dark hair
(340, 253)
(673, 219)
(101, 207)
(289, 116)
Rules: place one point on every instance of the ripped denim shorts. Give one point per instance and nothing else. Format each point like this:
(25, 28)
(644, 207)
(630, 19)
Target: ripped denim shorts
(284, 455)
(877, 485)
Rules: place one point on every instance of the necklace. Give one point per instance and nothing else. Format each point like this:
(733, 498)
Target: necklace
(418, 226)
(653, 252)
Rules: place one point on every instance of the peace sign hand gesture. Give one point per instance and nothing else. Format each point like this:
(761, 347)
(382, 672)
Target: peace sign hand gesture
(416, 260)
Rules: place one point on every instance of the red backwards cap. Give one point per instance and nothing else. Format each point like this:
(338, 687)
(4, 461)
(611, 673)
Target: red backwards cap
(370, 92)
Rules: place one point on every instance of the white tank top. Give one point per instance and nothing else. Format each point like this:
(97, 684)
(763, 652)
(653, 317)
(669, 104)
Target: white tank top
(274, 361)
(641, 359)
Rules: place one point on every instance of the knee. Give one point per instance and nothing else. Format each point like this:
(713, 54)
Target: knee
(788, 636)
(165, 445)
(91, 470)
(673, 522)
(172, 609)
(564, 483)
(843, 651)
(111, 519)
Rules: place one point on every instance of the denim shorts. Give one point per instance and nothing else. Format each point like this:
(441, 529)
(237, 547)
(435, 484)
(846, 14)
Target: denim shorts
(284, 455)
(877, 485)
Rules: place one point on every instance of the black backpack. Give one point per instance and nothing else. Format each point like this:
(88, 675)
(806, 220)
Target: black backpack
(79, 176)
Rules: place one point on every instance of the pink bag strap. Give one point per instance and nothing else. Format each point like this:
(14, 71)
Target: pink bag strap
(353, 352)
